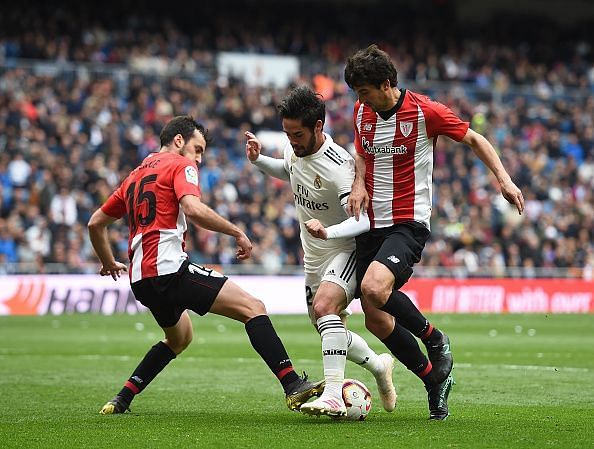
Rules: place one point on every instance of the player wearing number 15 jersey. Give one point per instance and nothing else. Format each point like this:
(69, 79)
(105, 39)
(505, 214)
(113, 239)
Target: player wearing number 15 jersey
(158, 196)
(156, 241)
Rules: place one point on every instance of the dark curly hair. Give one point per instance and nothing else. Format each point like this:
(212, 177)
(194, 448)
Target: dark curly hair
(370, 66)
(304, 104)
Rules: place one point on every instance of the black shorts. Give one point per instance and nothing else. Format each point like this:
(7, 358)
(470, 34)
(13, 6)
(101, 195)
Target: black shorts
(398, 247)
(193, 287)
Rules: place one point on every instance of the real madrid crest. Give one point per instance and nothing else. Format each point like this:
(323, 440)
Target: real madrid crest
(318, 182)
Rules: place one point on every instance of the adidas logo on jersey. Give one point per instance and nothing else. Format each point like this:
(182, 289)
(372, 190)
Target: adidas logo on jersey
(331, 273)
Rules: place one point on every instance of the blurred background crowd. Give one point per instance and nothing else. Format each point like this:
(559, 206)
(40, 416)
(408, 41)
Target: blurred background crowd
(85, 92)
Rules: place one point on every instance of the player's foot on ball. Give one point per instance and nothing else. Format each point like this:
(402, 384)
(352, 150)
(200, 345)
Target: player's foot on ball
(441, 357)
(116, 405)
(385, 386)
(302, 390)
(328, 406)
(438, 399)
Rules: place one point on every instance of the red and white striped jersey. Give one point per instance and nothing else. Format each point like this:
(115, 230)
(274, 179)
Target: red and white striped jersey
(398, 154)
(150, 196)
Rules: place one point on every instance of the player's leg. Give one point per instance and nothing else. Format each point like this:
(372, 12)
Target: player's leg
(400, 342)
(407, 350)
(380, 276)
(234, 302)
(177, 327)
(381, 366)
(329, 300)
(331, 294)
(342, 272)
(390, 270)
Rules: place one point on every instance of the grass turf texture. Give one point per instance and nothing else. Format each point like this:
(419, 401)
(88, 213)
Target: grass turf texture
(523, 381)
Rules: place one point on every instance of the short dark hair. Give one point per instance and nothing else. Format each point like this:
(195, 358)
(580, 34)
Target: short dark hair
(184, 125)
(370, 66)
(304, 104)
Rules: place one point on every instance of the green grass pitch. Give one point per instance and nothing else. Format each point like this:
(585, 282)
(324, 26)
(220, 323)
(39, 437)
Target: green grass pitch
(522, 381)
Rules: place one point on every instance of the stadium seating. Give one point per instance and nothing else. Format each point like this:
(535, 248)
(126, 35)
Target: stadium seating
(79, 110)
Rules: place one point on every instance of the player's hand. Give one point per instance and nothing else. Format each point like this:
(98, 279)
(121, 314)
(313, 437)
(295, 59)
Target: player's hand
(315, 228)
(358, 200)
(244, 247)
(253, 147)
(512, 194)
(114, 270)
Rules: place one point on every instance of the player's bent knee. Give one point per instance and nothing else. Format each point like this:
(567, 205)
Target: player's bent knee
(323, 308)
(178, 345)
(255, 307)
(374, 293)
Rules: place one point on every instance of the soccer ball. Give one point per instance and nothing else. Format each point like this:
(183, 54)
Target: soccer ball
(357, 399)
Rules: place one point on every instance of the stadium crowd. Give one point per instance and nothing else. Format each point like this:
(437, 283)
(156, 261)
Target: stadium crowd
(67, 137)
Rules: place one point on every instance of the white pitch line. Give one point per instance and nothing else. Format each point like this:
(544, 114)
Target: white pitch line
(569, 369)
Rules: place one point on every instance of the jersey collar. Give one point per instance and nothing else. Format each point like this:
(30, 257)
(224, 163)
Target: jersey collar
(385, 115)
(327, 142)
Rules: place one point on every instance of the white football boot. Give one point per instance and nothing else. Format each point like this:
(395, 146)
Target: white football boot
(384, 382)
(325, 405)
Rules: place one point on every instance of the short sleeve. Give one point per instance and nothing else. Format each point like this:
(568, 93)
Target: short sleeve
(441, 121)
(115, 206)
(185, 180)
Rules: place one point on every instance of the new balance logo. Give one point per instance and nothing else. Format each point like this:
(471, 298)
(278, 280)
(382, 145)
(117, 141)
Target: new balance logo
(394, 259)
(137, 379)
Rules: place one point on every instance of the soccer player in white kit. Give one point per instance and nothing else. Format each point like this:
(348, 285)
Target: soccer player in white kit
(321, 174)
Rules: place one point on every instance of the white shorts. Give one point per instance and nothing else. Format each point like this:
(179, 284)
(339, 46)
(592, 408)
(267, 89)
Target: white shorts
(339, 270)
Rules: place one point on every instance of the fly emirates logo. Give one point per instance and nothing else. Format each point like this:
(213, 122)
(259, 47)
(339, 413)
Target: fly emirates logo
(374, 149)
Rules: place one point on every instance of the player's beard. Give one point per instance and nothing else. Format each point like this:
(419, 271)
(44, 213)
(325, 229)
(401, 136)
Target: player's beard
(307, 150)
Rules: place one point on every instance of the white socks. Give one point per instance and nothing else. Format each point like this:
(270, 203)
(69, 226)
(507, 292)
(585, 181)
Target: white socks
(334, 353)
(360, 353)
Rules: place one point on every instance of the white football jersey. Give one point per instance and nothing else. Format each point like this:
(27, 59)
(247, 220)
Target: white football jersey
(321, 184)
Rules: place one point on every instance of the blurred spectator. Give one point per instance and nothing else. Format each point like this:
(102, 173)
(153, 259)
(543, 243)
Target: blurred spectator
(67, 136)
(63, 207)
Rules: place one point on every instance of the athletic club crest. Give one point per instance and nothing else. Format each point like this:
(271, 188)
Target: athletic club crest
(406, 128)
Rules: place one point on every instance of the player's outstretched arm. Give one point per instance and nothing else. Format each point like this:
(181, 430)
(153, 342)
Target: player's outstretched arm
(486, 153)
(270, 165)
(202, 215)
(350, 227)
(98, 235)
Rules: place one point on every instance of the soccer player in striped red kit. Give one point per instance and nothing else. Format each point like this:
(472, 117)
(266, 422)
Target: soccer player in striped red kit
(395, 134)
(158, 196)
